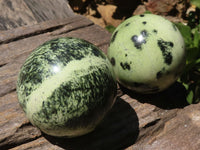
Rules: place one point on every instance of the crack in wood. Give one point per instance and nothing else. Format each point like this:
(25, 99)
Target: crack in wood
(19, 138)
(42, 28)
(73, 29)
(7, 92)
(1, 65)
(31, 34)
(152, 123)
(24, 125)
(18, 143)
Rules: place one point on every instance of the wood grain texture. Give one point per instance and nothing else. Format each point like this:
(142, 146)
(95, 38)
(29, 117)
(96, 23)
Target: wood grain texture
(49, 9)
(182, 132)
(15, 128)
(40, 32)
(38, 144)
(15, 13)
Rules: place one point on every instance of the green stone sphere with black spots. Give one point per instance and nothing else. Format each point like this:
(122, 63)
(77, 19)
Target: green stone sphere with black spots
(66, 86)
(147, 53)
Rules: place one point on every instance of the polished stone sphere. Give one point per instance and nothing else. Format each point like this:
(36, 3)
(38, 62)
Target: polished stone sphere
(147, 53)
(66, 86)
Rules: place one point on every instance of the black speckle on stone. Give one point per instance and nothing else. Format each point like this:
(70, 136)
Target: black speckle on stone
(155, 31)
(166, 47)
(141, 15)
(126, 55)
(134, 38)
(139, 40)
(112, 61)
(144, 33)
(171, 44)
(114, 36)
(125, 66)
(127, 24)
(144, 22)
(159, 75)
(168, 58)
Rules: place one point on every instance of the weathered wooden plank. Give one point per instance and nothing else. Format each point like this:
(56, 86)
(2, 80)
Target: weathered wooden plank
(16, 42)
(31, 30)
(38, 144)
(8, 75)
(181, 132)
(15, 13)
(164, 118)
(44, 10)
(14, 127)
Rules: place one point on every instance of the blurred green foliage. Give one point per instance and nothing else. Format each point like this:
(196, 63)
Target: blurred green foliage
(191, 75)
(195, 2)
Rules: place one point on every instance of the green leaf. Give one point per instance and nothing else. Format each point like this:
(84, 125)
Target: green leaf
(186, 33)
(196, 41)
(190, 97)
(186, 86)
(195, 2)
(192, 54)
(192, 41)
(110, 28)
(197, 61)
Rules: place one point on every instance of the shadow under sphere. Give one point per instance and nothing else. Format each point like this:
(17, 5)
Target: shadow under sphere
(118, 130)
(171, 98)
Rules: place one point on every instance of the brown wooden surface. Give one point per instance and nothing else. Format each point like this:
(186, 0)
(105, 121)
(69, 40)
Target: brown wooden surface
(152, 122)
(15, 13)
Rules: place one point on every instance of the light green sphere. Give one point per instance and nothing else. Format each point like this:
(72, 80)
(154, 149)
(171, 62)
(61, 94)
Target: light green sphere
(147, 53)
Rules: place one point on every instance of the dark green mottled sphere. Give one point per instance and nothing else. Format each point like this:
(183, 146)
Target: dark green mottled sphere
(66, 86)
